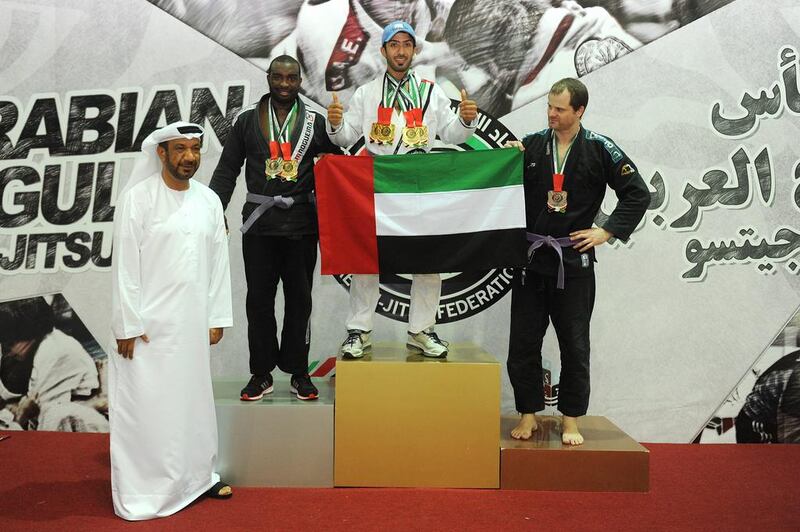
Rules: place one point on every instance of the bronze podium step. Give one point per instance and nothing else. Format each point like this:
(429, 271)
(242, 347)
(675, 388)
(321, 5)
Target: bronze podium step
(609, 459)
(405, 421)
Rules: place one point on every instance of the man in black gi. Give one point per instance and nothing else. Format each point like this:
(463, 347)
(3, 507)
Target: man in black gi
(277, 139)
(567, 169)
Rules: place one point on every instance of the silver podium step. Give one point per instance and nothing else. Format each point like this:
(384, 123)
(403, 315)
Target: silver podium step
(279, 441)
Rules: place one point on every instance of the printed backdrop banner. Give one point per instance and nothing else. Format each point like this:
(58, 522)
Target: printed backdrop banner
(691, 312)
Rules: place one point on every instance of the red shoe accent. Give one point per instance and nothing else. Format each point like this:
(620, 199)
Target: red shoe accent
(245, 397)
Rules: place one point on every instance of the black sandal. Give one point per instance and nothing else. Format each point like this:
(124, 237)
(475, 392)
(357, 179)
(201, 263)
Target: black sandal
(214, 491)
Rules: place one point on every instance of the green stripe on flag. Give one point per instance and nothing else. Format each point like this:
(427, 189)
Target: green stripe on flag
(477, 143)
(447, 171)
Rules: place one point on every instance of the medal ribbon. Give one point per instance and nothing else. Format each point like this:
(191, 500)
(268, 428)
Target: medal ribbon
(413, 117)
(392, 90)
(286, 151)
(283, 131)
(558, 166)
(273, 149)
(385, 115)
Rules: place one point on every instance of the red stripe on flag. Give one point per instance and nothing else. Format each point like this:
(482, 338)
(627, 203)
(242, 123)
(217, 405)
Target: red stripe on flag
(346, 211)
(325, 368)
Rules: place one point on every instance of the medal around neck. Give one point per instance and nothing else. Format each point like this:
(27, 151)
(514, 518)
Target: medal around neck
(557, 201)
(415, 135)
(288, 165)
(557, 198)
(273, 165)
(289, 170)
(423, 135)
(410, 136)
(383, 130)
(280, 163)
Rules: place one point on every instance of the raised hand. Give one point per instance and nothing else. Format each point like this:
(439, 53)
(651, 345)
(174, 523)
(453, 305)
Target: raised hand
(335, 112)
(467, 109)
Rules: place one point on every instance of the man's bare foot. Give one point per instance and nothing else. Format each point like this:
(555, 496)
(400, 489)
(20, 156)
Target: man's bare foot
(569, 431)
(525, 428)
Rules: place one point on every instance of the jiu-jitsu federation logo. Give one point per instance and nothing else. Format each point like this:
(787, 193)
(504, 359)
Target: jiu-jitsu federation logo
(463, 294)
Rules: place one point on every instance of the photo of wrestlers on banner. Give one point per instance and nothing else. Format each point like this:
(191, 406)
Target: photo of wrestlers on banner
(543, 40)
(52, 371)
(764, 407)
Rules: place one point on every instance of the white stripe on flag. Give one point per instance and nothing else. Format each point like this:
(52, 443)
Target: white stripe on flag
(448, 213)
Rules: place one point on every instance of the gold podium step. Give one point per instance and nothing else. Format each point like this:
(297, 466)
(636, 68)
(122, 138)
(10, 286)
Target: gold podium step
(609, 459)
(402, 420)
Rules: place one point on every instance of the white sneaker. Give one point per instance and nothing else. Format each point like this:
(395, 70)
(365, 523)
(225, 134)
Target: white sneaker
(428, 342)
(356, 344)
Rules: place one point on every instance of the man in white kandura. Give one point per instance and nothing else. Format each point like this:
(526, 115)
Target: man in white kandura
(389, 111)
(171, 298)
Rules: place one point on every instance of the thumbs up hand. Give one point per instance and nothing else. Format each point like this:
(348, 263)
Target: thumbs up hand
(467, 109)
(335, 112)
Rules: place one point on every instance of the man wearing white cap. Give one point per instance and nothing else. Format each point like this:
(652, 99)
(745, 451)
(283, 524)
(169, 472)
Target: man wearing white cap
(389, 111)
(171, 298)
(347, 54)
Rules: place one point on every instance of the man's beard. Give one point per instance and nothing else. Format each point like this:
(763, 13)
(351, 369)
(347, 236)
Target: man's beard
(404, 69)
(175, 172)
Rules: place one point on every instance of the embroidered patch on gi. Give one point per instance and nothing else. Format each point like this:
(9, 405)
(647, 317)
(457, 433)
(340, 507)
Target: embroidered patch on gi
(626, 169)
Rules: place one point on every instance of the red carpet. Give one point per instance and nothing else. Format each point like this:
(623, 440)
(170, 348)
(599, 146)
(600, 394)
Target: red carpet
(60, 482)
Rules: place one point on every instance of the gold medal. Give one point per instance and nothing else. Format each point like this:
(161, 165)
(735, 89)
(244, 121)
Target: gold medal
(289, 170)
(273, 168)
(382, 133)
(411, 137)
(557, 201)
(422, 137)
(375, 133)
(415, 134)
(387, 133)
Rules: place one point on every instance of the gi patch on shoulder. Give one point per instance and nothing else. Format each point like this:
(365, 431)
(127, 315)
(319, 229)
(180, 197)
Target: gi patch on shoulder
(608, 144)
(626, 169)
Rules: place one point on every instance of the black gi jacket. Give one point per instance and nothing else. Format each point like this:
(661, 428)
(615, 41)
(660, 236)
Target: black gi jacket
(594, 161)
(248, 143)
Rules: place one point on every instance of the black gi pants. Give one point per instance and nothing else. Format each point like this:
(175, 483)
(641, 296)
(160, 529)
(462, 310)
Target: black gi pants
(533, 305)
(268, 259)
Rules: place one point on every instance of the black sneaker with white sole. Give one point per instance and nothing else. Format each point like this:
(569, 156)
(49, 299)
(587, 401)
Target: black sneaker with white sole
(303, 388)
(258, 387)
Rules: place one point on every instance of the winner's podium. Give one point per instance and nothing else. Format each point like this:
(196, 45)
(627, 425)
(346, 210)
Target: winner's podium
(608, 460)
(277, 441)
(405, 420)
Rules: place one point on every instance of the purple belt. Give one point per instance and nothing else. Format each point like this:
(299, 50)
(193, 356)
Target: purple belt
(538, 241)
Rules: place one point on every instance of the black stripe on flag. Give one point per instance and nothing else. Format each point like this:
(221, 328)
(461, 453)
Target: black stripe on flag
(484, 250)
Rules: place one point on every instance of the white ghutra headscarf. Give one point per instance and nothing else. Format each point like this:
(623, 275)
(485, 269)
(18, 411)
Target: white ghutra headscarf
(149, 163)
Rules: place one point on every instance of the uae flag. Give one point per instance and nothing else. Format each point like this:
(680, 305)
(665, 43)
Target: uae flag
(421, 213)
